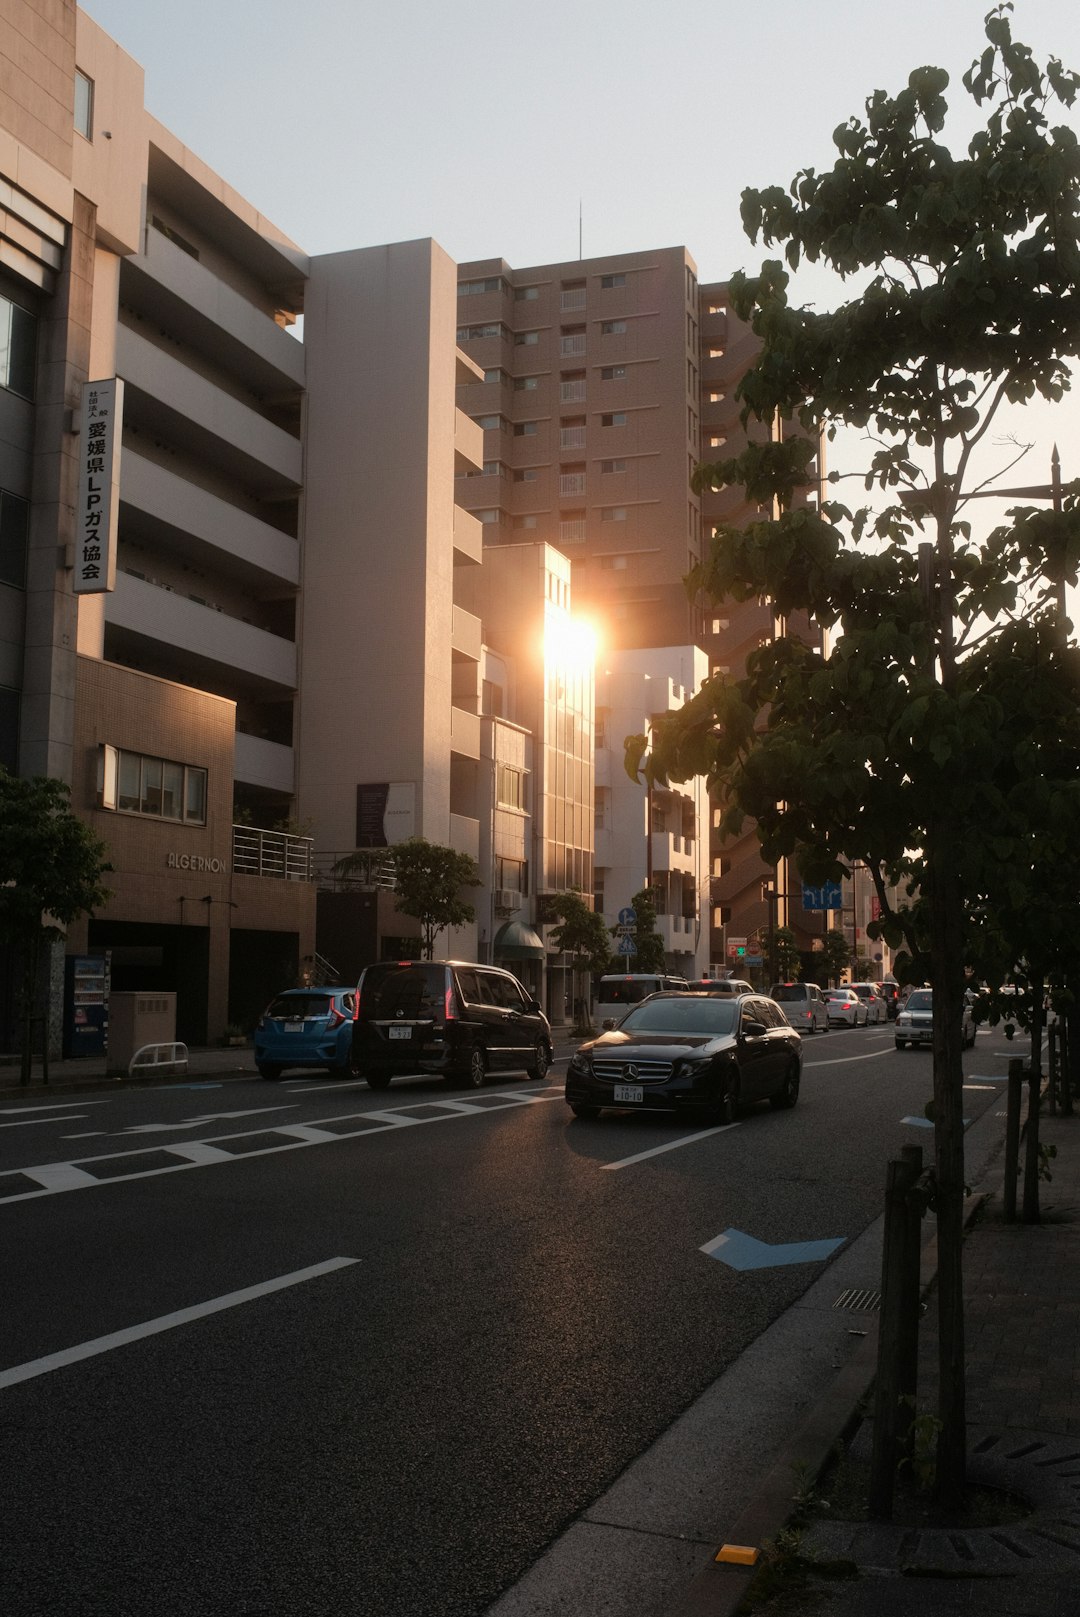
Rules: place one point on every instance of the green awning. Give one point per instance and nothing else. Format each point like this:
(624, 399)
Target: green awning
(516, 941)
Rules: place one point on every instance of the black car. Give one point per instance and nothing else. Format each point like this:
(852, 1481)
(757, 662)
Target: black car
(687, 1052)
(445, 1016)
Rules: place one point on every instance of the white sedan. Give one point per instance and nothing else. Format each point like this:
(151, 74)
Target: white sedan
(876, 1010)
(845, 1008)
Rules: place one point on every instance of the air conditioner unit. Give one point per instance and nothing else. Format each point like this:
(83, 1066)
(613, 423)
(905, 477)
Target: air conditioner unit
(506, 898)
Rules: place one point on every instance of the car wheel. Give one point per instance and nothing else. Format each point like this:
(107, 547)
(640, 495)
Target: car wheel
(541, 1060)
(476, 1068)
(729, 1105)
(901, 1044)
(584, 1111)
(377, 1080)
(786, 1097)
(970, 1043)
(267, 1069)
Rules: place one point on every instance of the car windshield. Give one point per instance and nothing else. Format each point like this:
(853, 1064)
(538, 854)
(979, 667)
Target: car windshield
(696, 1014)
(785, 992)
(295, 1006)
(840, 993)
(400, 988)
(921, 1000)
(626, 993)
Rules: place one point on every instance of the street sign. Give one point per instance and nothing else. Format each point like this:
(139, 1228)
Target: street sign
(627, 917)
(826, 897)
(736, 948)
(625, 945)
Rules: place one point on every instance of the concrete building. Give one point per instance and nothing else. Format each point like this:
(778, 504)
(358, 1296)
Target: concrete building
(605, 382)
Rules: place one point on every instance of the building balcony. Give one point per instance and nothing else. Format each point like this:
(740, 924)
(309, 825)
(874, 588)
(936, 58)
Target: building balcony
(468, 445)
(468, 538)
(171, 287)
(199, 526)
(198, 640)
(465, 636)
(264, 763)
(679, 932)
(273, 854)
(167, 397)
(464, 733)
(465, 835)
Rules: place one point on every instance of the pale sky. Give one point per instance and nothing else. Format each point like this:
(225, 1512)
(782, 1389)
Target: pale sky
(355, 122)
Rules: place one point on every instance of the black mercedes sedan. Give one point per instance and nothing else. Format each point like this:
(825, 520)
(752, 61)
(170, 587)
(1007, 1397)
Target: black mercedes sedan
(692, 1053)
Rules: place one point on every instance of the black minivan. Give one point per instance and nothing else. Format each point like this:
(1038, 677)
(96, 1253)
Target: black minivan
(445, 1016)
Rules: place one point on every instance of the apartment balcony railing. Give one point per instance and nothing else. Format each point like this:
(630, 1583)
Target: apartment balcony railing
(571, 392)
(572, 533)
(572, 438)
(572, 298)
(272, 853)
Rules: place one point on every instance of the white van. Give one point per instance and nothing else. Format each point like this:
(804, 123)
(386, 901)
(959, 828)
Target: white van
(615, 995)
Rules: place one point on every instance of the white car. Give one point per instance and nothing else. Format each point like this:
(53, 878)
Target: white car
(802, 1005)
(876, 1009)
(915, 1023)
(845, 1008)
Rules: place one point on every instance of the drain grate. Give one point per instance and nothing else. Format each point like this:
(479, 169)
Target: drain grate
(859, 1300)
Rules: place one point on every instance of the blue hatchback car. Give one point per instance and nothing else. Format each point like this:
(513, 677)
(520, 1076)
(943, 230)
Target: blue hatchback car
(307, 1027)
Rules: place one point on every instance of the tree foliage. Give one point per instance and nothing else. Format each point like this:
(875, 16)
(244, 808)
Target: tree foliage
(835, 955)
(649, 952)
(51, 869)
(428, 879)
(581, 933)
(936, 737)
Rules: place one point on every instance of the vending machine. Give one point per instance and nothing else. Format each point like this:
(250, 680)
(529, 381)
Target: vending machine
(86, 1004)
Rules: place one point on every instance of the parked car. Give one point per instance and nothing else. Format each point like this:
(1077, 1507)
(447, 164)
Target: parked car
(449, 1017)
(915, 1023)
(875, 1005)
(723, 987)
(306, 1027)
(845, 1008)
(693, 1053)
(890, 993)
(803, 1004)
(616, 993)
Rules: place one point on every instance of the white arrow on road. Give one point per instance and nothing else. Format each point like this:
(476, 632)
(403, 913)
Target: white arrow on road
(188, 1123)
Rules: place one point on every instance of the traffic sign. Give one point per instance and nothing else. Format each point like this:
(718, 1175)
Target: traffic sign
(625, 945)
(627, 917)
(826, 897)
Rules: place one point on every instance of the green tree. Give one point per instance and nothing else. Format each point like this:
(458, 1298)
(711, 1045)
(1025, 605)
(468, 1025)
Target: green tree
(51, 869)
(835, 955)
(428, 879)
(583, 936)
(649, 952)
(786, 959)
(890, 741)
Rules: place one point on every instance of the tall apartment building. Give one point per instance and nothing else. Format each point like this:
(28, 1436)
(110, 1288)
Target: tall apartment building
(605, 382)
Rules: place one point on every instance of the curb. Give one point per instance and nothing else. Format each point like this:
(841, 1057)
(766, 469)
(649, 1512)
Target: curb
(719, 1588)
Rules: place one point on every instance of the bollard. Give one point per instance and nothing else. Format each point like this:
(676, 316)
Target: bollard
(1052, 1067)
(897, 1356)
(1012, 1139)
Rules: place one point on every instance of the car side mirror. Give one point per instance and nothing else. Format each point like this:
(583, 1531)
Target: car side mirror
(535, 1006)
(607, 1024)
(753, 1029)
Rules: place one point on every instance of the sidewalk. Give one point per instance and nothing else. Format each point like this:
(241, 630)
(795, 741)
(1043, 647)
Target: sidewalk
(1022, 1312)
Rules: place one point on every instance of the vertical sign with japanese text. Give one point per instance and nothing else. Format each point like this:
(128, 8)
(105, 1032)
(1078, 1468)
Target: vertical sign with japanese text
(97, 505)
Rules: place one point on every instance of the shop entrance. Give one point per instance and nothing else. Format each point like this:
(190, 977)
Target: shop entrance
(146, 957)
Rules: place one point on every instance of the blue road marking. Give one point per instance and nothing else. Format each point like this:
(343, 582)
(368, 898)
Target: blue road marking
(191, 1086)
(925, 1123)
(741, 1251)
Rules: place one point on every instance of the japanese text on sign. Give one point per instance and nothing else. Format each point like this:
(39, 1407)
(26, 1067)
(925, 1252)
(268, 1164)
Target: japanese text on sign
(98, 502)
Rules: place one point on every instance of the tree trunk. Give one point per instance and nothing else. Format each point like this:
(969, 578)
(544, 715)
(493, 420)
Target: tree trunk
(29, 1003)
(946, 924)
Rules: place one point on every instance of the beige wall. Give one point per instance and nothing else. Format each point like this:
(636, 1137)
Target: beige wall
(37, 64)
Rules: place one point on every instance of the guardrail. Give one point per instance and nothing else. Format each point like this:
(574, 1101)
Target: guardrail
(150, 1058)
(272, 853)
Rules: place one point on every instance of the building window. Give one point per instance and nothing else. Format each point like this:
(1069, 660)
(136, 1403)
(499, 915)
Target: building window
(572, 433)
(492, 423)
(494, 283)
(490, 515)
(521, 523)
(615, 563)
(526, 475)
(572, 342)
(18, 348)
(476, 333)
(607, 466)
(572, 295)
(133, 783)
(512, 875)
(526, 339)
(84, 105)
(572, 387)
(495, 373)
(526, 384)
(572, 480)
(572, 528)
(612, 328)
(616, 419)
(14, 528)
(509, 786)
(613, 513)
(526, 294)
(526, 429)
(607, 282)
(612, 373)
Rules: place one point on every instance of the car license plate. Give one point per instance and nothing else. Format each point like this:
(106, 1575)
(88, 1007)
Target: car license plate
(631, 1092)
(294, 1027)
(401, 1032)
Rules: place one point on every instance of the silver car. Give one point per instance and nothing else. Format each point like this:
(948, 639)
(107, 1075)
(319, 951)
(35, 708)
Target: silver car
(915, 1023)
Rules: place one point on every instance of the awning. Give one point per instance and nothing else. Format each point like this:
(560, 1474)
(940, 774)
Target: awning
(516, 941)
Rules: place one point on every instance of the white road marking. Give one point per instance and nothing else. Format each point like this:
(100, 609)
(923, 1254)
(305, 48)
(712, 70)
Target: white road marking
(671, 1145)
(840, 1061)
(165, 1322)
(60, 1176)
(52, 1106)
(189, 1123)
(23, 1121)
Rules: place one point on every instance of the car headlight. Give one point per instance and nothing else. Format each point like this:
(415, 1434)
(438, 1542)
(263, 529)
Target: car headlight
(904, 1018)
(579, 1065)
(691, 1065)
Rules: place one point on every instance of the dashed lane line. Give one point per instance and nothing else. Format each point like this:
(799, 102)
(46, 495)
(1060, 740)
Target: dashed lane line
(166, 1322)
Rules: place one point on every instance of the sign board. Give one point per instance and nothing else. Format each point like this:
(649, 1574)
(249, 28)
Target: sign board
(627, 917)
(625, 945)
(821, 898)
(97, 506)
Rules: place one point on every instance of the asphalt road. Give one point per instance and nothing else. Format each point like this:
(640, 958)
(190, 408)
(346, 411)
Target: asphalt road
(521, 1306)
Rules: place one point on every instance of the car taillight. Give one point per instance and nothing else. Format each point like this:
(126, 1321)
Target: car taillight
(335, 1019)
(448, 1004)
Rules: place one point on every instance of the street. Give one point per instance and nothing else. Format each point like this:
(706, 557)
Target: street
(301, 1348)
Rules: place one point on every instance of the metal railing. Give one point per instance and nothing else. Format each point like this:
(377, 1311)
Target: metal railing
(374, 868)
(272, 853)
